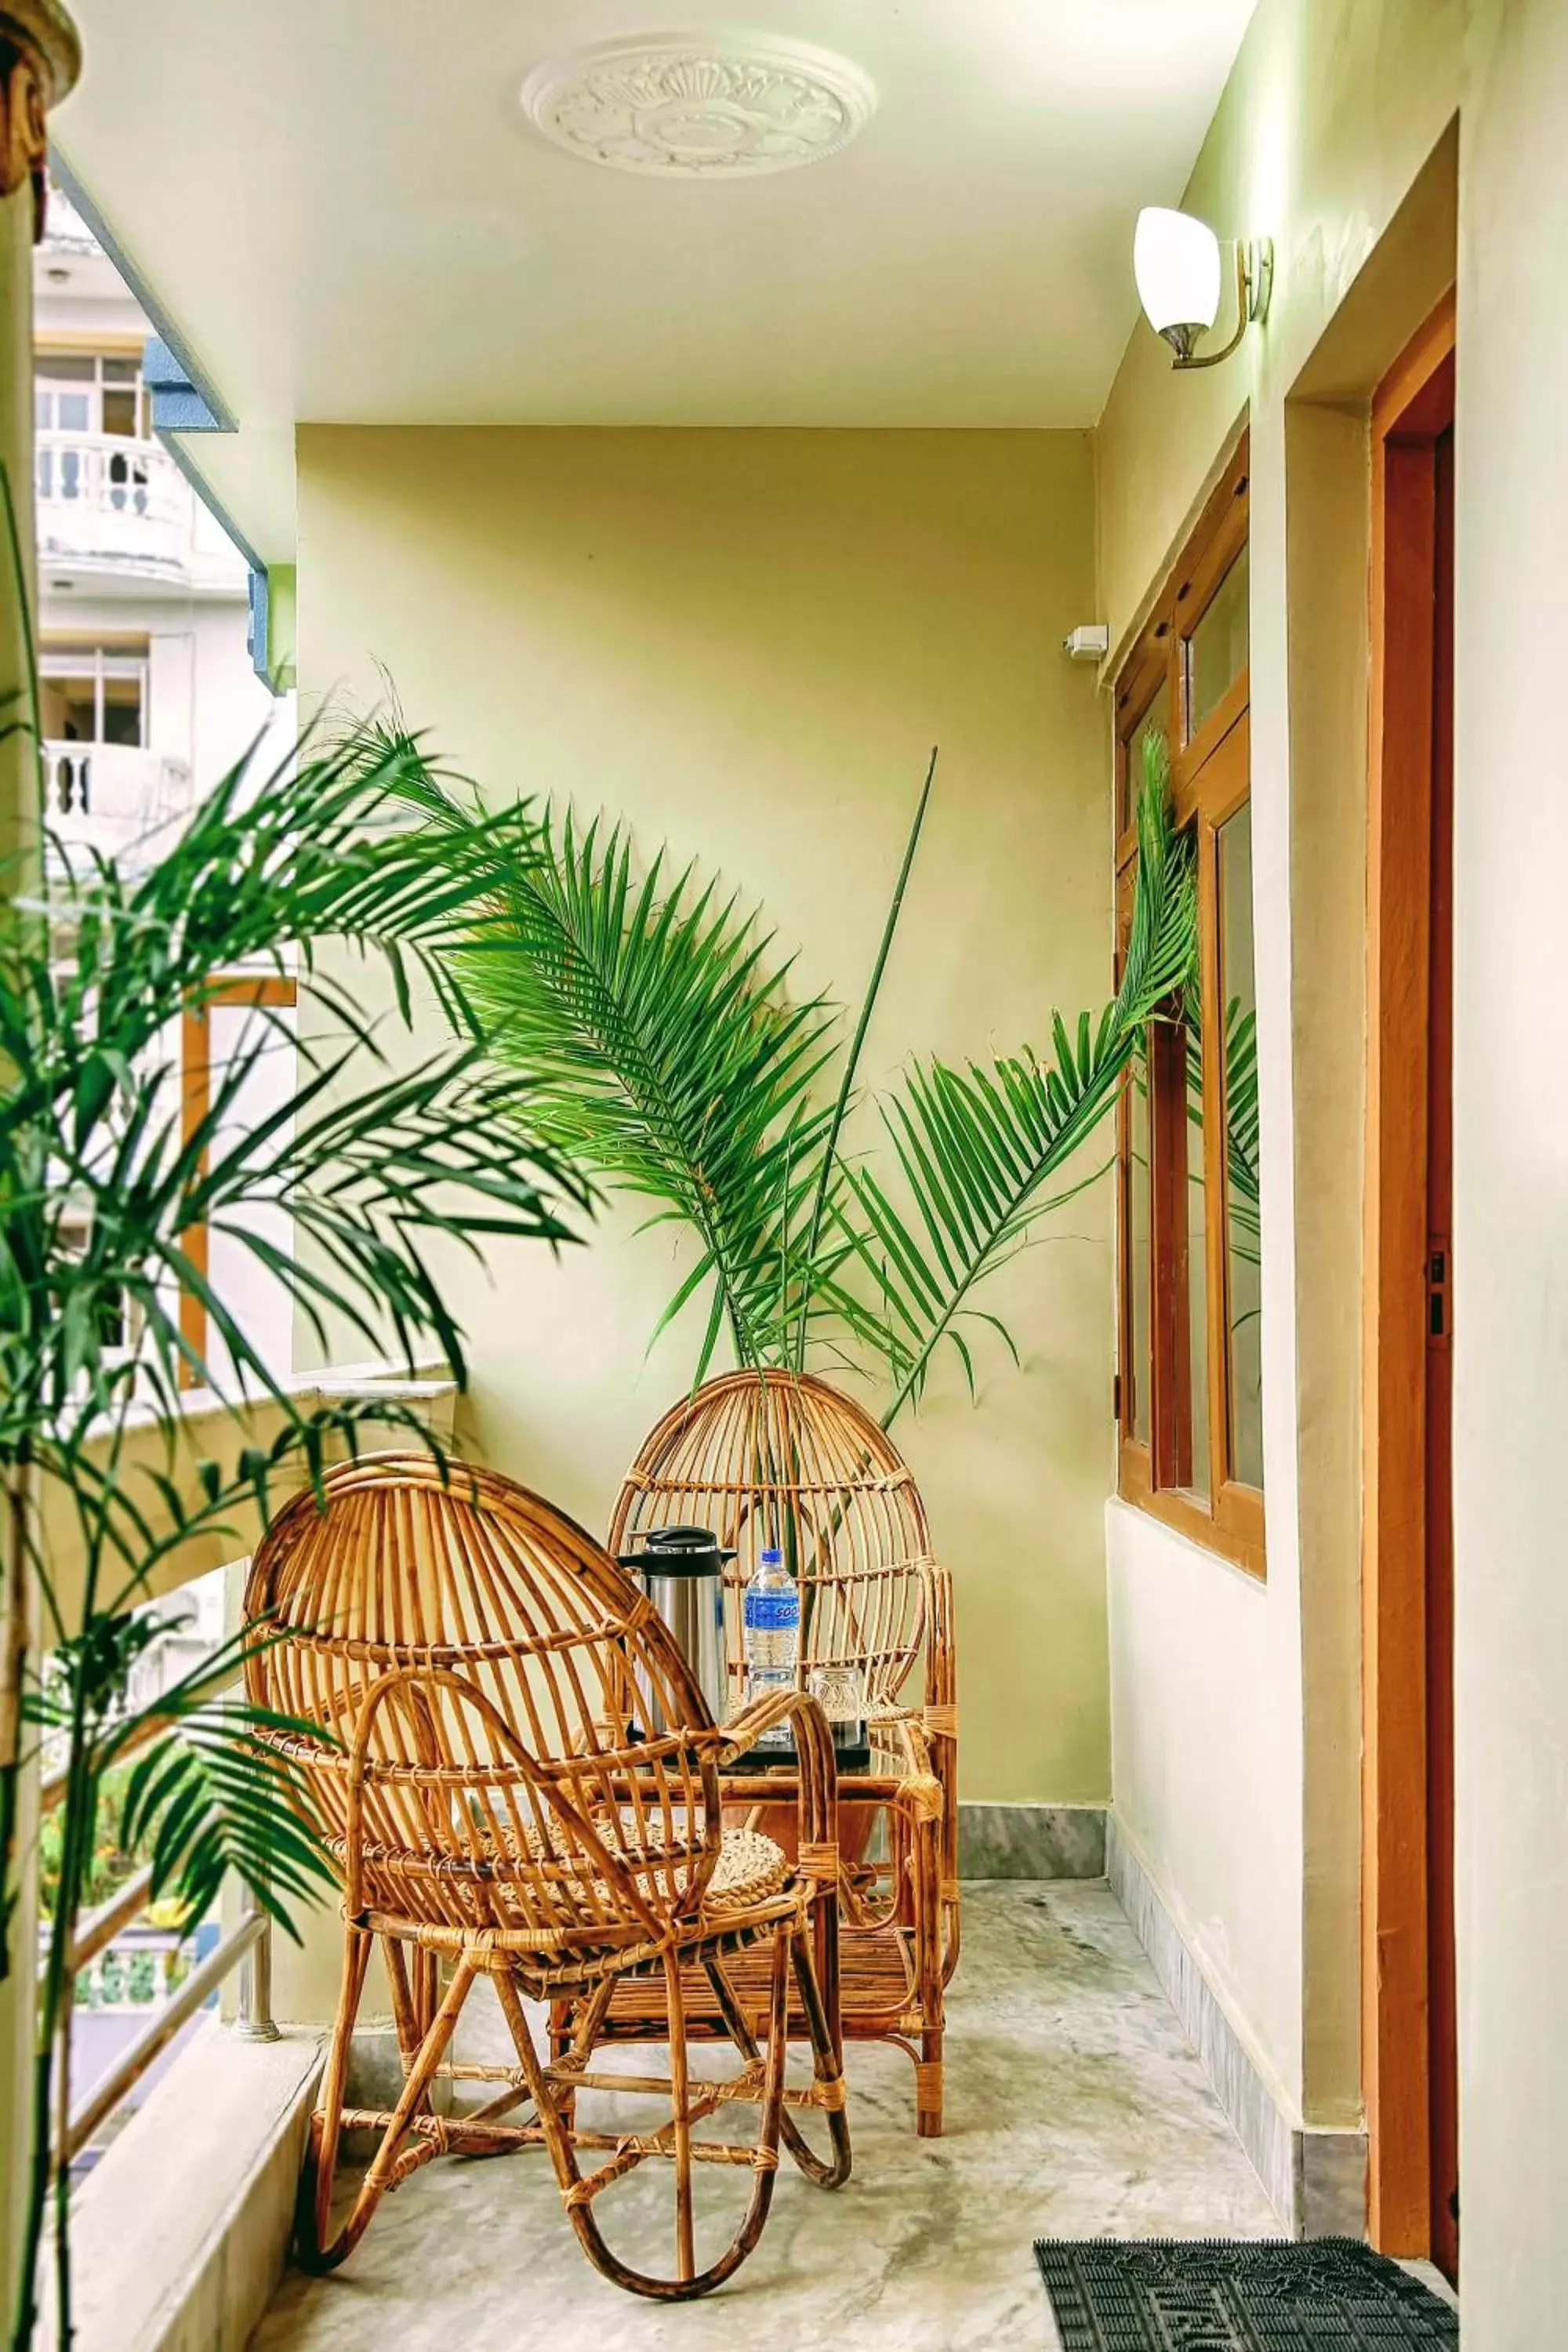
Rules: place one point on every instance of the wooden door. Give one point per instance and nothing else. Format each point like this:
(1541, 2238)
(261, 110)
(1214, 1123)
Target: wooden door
(1442, 2022)
(1409, 2061)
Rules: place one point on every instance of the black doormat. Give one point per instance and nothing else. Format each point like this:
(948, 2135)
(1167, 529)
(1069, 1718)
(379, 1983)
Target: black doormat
(1218, 2294)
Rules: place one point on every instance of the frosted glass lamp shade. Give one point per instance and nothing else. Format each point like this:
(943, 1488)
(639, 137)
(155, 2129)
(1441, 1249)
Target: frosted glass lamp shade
(1176, 262)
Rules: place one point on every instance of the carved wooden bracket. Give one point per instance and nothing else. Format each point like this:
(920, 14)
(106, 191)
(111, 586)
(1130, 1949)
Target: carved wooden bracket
(40, 58)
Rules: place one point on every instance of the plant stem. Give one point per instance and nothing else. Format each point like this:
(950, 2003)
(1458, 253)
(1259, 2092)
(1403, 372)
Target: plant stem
(77, 1808)
(1086, 1118)
(12, 1666)
(867, 1005)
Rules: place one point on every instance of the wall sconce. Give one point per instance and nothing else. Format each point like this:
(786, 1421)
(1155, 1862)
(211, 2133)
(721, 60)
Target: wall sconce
(1176, 262)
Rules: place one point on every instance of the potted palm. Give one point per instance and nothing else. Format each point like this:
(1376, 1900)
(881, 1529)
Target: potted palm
(105, 1176)
(652, 1015)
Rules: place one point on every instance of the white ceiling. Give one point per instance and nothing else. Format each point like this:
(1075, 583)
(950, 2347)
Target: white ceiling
(340, 206)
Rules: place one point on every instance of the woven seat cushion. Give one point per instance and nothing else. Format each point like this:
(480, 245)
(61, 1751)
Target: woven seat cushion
(750, 1868)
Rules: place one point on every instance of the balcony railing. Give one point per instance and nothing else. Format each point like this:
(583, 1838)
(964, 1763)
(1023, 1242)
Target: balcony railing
(112, 796)
(104, 498)
(246, 1947)
(109, 472)
(185, 1442)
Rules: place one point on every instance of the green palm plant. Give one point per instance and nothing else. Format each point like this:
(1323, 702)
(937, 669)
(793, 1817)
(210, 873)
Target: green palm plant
(1241, 1126)
(104, 1175)
(654, 1020)
(662, 1052)
(981, 1152)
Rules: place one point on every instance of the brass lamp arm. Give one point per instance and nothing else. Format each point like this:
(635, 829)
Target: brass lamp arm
(1254, 284)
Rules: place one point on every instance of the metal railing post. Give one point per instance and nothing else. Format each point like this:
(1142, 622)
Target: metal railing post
(255, 2021)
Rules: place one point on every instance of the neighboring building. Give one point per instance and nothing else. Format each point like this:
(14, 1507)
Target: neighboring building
(148, 691)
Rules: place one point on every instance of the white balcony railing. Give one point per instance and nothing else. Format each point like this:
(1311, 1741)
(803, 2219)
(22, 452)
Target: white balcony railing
(104, 499)
(111, 797)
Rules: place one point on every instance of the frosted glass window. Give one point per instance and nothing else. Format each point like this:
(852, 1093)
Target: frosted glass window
(1217, 651)
(1244, 1305)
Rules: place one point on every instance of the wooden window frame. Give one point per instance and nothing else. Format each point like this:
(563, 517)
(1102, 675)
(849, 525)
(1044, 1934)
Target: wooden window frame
(1210, 781)
(275, 991)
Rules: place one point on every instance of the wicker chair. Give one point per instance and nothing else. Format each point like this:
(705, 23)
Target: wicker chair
(497, 1808)
(772, 1458)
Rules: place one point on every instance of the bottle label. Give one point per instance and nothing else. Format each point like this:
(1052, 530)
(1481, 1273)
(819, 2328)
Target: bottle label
(772, 1612)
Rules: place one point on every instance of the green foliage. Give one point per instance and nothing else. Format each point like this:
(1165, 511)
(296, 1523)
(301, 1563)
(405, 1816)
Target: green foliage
(220, 1794)
(107, 1865)
(982, 1151)
(211, 1794)
(661, 1051)
(655, 1022)
(102, 1179)
(319, 871)
(103, 1175)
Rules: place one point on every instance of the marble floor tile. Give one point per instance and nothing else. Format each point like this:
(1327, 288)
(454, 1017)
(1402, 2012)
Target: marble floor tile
(1075, 2108)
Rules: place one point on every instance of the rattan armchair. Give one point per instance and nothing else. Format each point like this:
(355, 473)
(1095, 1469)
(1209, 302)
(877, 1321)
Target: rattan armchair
(775, 1458)
(498, 1808)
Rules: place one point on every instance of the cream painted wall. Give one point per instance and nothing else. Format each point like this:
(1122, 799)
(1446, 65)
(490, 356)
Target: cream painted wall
(1510, 1238)
(1235, 1749)
(746, 642)
(1307, 146)
(1199, 1657)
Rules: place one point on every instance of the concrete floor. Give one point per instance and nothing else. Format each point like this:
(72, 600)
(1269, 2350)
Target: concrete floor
(1075, 2108)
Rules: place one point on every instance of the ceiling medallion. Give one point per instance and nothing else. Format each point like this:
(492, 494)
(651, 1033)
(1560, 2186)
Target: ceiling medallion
(699, 106)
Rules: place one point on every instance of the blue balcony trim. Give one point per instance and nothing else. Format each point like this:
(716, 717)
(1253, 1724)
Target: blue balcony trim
(183, 399)
(255, 635)
(219, 418)
(179, 404)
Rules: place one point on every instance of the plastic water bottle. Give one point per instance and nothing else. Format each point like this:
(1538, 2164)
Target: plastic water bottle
(772, 1610)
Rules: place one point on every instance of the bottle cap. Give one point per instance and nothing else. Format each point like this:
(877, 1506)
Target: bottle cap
(772, 1560)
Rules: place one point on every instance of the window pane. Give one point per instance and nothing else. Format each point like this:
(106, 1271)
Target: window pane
(1217, 650)
(122, 710)
(122, 370)
(1245, 1335)
(62, 367)
(119, 410)
(68, 710)
(1154, 724)
(1198, 1478)
(1139, 1220)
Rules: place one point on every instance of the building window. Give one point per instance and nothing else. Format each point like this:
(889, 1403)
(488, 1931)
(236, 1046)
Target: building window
(91, 413)
(94, 693)
(1190, 1383)
(89, 392)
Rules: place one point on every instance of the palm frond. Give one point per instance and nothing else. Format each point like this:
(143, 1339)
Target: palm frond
(985, 1153)
(104, 1171)
(829, 1172)
(652, 1023)
(1241, 1177)
(216, 1793)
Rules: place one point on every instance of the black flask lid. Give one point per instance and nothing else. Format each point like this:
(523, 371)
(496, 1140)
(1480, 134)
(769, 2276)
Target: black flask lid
(677, 1551)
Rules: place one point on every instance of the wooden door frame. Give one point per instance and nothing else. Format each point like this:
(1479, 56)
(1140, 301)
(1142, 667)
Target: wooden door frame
(1411, 406)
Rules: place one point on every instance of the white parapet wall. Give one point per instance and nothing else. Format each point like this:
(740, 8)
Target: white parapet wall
(180, 2232)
